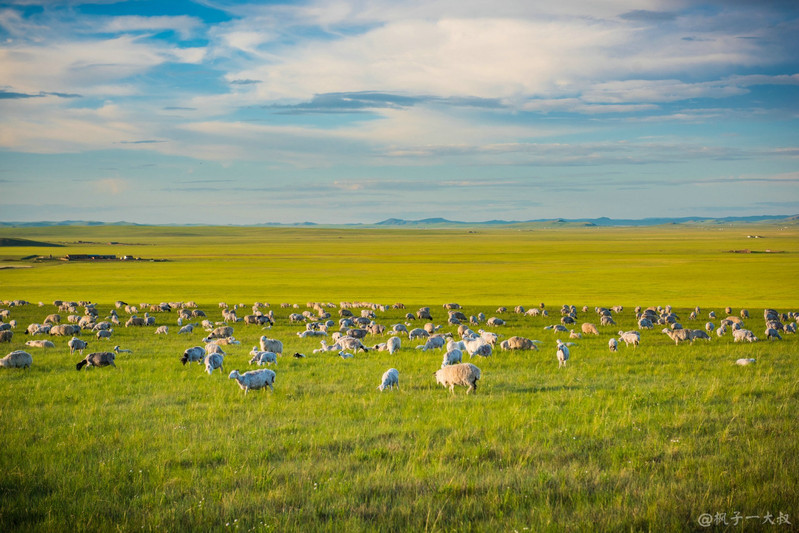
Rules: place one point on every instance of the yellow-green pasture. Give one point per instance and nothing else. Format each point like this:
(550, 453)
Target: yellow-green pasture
(677, 265)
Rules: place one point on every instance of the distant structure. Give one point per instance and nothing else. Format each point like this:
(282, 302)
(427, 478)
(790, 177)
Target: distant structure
(89, 257)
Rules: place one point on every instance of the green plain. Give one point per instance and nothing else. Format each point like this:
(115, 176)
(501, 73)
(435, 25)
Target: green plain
(653, 438)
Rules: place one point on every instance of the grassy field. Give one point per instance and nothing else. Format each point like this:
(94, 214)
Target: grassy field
(654, 438)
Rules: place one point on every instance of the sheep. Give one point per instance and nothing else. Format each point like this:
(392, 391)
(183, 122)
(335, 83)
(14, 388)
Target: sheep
(326, 348)
(351, 343)
(298, 355)
(697, 334)
(6, 335)
(630, 337)
(393, 344)
(710, 326)
(589, 329)
(212, 361)
(417, 333)
(772, 334)
(117, 349)
(222, 342)
(518, 343)
(606, 321)
(97, 359)
(743, 335)
(562, 354)
(135, 321)
(677, 335)
(399, 328)
(17, 359)
(75, 344)
(254, 379)
(575, 335)
(490, 338)
(40, 344)
(194, 354)
(494, 321)
(613, 344)
(456, 345)
(271, 345)
(645, 323)
(744, 362)
(162, 330)
(389, 380)
(262, 358)
(465, 374)
(721, 330)
(433, 343)
(477, 346)
(452, 357)
(188, 328)
(344, 355)
(213, 347)
(221, 332)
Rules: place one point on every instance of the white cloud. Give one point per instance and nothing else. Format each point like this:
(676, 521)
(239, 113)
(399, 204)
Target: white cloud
(185, 26)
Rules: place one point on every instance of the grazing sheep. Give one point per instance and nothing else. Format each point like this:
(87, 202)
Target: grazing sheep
(518, 343)
(575, 335)
(589, 329)
(345, 355)
(490, 338)
(194, 354)
(562, 354)
(17, 359)
(721, 330)
(227, 341)
(6, 335)
(697, 334)
(213, 361)
(452, 357)
(390, 380)
(772, 334)
(262, 358)
(162, 330)
(97, 359)
(677, 335)
(456, 345)
(744, 362)
(630, 337)
(399, 328)
(645, 323)
(418, 333)
(351, 343)
(271, 345)
(433, 343)
(477, 346)
(710, 326)
(117, 349)
(465, 374)
(393, 344)
(75, 344)
(743, 335)
(188, 328)
(613, 344)
(606, 321)
(40, 344)
(494, 321)
(213, 347)
(221, 332)
(254, 379)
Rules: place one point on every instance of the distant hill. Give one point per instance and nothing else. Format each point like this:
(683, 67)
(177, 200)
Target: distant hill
(26, 242)
(445, 223)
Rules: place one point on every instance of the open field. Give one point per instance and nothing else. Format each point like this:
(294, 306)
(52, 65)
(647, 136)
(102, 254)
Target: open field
(646, 439)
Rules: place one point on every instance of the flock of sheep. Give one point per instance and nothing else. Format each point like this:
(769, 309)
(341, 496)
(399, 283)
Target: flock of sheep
(350, 331)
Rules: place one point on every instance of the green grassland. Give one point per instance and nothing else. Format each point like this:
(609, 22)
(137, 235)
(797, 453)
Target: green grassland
(645, 439)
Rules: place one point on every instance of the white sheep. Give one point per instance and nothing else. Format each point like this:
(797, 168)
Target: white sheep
(456, 345)
(351, 343)
(739, 335)
(254, 379)
(271, 345)
(345, 355)
(433, 343)
(393, 344)
(489, 337)
(213, 361)
(17, 359)
(162, 330)
(262, 357)
(417, 333)
(452, 357)
(390, 380)
(40, 344)
(76, 345)
(677, 335)
(97, 359)
(465, 374)
(744, 362)
(772, 334)
(630, 337)
(473, 346)
(213, 347)
(117, 349)
(562, 354)
(105, 333)
(613, 344)
(188, 328)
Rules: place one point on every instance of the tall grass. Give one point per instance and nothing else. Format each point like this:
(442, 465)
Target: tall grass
(645, 439)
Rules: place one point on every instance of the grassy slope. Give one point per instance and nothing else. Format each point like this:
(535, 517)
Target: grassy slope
(646, 439)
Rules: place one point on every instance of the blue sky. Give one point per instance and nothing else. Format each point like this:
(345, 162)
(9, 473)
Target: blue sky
(235, 112)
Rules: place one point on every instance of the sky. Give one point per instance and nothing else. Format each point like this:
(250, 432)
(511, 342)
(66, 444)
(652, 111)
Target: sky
(354, 111)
